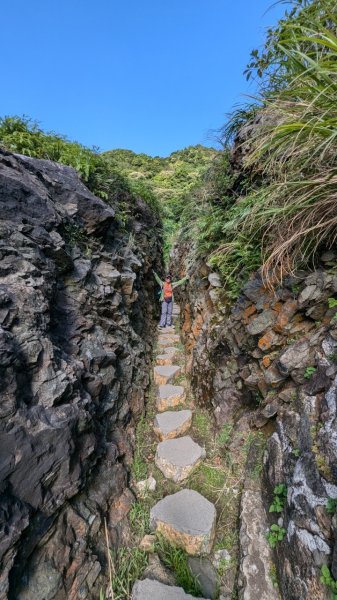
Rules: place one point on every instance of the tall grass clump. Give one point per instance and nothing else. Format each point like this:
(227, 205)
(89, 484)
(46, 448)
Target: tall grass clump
(270, 200)
(294, 148)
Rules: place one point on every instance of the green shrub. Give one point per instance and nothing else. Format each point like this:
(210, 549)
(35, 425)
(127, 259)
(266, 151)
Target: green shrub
(280, 496)
(275, 534)
(329, 581)
(24, 136)
(309, 372)
(177, 560)
(331, 506)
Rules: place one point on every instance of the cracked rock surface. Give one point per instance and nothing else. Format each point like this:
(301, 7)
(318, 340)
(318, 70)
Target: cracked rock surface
(76, 304)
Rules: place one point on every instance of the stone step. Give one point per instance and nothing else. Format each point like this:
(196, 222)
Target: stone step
(148, 589)
(171, 350)
(187, 520)
(165, 373)
(171, 424)
(168, 330)
(169, 396)
(165, 359)
(168, 339)
(177, 458)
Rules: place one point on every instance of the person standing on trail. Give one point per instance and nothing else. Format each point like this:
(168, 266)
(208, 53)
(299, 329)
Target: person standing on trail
(166, 297)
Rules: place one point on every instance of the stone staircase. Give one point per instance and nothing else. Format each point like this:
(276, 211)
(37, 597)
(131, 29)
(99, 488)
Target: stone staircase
(185, 519)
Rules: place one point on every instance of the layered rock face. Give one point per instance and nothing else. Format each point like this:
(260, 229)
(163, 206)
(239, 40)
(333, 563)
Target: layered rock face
(271, 360)
(76, 315)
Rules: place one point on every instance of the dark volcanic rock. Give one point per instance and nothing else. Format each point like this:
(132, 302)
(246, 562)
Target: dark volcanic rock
(272, 357)
(76, 307)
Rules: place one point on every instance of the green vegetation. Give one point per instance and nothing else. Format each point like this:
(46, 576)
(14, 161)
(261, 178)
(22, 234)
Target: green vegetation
(331, 506)
(275, 535)
(268, 198)
(170, 180)
(272, 202)
(280, 495)
(129, 564)
(23, 136)
(332, 302)
(329, 581)
(177, 560)
(225, 434)
(309, 372)
(273, 576)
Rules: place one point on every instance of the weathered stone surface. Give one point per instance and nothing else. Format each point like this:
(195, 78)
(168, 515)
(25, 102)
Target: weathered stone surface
(165, 374)
(296, 357)
(176, 458)
(154, 590)
(261, 322)
(256, 554)
(186, 519)
(165, 359)
(207, 577)
(167, 339)
(147, 543)
(168, 330)
(214, 280)
(172, 350)
(169, 396)
(171, 424)
(156, 571)
(74, 355)
(146, 485)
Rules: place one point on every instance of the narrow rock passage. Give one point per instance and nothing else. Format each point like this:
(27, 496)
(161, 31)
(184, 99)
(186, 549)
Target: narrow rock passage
(185, 519)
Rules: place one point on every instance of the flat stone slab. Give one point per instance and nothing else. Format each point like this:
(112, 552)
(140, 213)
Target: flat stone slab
(255, 552)
(167, 330)
(207, 577)
(165, 374)
(154, 590)
(168, 339)
(187, 520)
(165, 359)
(169, 425)
(170, 396)
(177, 458)
(171, 350)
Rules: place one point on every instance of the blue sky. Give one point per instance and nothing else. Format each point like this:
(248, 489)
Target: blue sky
(153, 76)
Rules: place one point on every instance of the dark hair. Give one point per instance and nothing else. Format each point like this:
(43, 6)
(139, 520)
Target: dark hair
(168, 276)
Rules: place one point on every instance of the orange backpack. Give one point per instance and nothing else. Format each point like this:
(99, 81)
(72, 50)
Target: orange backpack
(167, 291)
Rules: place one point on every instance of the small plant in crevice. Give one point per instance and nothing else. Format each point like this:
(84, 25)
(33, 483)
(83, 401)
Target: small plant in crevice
(176, 560)
(296, 452)
(76, 235)
(225, 434)
(275, 534)
(332, 302)
(273, 575)
(129, 566)
(329, 581)
(309, 372)
(280, 495)
(331, 506)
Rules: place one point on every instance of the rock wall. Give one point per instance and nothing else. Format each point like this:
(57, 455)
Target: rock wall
(76, 315)
(270, 361)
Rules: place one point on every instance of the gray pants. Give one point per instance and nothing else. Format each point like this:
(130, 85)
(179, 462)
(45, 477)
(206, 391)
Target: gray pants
(166, 314)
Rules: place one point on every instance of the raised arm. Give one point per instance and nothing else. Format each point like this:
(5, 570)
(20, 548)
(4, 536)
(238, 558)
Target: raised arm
(157, 278)
(180, 282)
